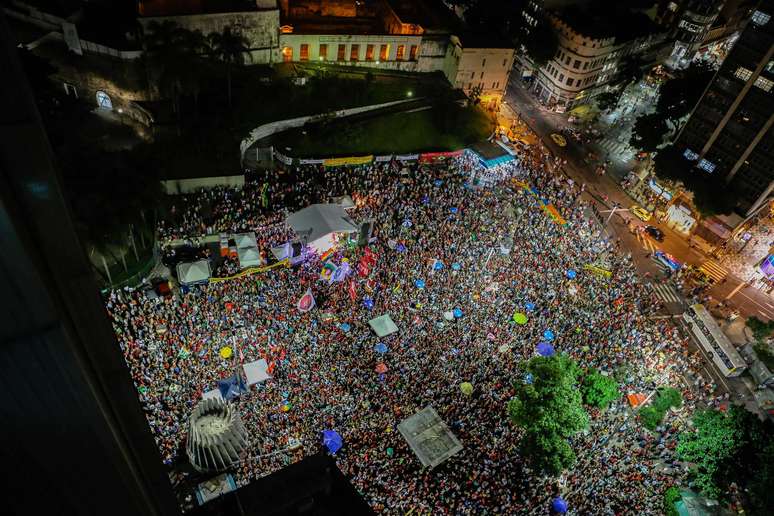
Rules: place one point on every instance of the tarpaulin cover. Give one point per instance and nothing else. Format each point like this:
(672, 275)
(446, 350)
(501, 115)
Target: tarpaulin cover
(383, 325)
(332, 440)
(231, 387)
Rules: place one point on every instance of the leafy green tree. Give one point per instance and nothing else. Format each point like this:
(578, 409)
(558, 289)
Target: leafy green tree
(708, 447)
(599, 390)
(648, 132)
(607, 100)
(232, 48)
(671, 496)
(760, 329)
(678, 96)
(550, 411)
(668, 397)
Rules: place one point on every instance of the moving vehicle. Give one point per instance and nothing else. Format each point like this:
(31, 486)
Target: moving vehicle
(559, 139)
(640, 212)
(668, 260)
(713, 341)
(655, 233)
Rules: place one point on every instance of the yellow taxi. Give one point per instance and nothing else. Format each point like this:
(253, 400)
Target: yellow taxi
(559, 139)
(641, 213)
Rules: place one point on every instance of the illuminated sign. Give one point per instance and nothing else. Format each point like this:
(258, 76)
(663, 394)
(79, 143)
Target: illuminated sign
(690, 27)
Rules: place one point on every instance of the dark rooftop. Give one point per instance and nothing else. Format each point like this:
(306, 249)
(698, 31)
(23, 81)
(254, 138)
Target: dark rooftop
(180, 7)
(601, 20)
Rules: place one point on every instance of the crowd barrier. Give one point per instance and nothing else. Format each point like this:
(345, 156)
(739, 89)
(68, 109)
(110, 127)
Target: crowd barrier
(252, 270)
(425, 157)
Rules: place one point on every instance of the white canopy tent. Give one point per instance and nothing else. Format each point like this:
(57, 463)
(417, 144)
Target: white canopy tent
(190, 273)
(245, 240)
(248, 257)
(383, 325)
(316, 225)
(256, 372)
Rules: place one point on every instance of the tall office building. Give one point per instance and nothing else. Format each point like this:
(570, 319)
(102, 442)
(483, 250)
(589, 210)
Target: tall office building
(74, 438)
(729, 131)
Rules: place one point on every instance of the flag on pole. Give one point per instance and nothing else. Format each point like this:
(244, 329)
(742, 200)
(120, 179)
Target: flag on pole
(352, 291)
(327, 272)
(306, 302)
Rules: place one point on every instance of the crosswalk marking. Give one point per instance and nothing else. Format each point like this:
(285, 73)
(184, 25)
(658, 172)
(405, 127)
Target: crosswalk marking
(666, 293)
(713, 270)
(648, 244)
(660, 265)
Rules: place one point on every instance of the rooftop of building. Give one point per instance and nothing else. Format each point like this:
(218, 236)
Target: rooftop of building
(336, 25)
(184, 7)
(601, 20)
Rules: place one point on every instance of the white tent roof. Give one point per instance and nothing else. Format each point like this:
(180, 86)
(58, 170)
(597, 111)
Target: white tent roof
(245, 240)
(256, 372)
(383, 325)
(318, 220)
(248, 257)
(345, 201)
(193, 272)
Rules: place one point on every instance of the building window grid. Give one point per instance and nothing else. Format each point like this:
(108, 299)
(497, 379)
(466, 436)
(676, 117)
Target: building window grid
(760, 18)
(743, 73)
(706, 165)
(763, 83)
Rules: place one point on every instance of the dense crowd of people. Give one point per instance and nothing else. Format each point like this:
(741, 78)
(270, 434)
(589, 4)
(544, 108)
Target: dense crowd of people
(486, 251)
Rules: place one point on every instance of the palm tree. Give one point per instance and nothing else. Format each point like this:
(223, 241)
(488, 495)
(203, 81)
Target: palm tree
(231, 48)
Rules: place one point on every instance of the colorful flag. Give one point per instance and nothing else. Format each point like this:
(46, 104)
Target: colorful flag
(327, 272)
(341, 272)
(306, 302)
(352, 291)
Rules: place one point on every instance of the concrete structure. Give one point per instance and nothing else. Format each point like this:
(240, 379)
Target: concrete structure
(693, 20)
(729, 131)
(485, 69)
(259, 25)
(592, 47)
(216, 435)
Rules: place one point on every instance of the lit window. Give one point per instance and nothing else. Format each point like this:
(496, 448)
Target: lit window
(690, 155)
(760, 18)
(743, 73)
(763, 83)
(401, 51)
(706, 165)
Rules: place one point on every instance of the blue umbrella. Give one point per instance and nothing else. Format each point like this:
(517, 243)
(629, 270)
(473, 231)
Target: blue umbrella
(438, 265)
(457, 313)
(528, 378)
(381, 377)
(456, 266)
(571, 273)
(453, 209)
(425, 199)
(559, 505)
(400, 248)
(380, 347)
(437, 182)
(332, 440)
(545, 349)
(548, 335)
(529, 306)
(345, 327)
(407, 223)
(419, 283)
(368, 303)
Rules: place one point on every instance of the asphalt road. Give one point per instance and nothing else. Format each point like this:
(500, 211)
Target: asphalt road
(605, 190)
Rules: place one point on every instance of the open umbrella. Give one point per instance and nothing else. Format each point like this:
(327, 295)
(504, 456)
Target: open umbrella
(559, 505)
(504, 348)
(529, 306)
(519, 318)
(571, 273)
(457, 313)
(345, 327)
(419, 283)
(548, 335)
(381, 347)
(400, 248)
(466, 388)
(545, 349)
(368, 303)
(226, 352)
(332, 440)
(380, 368)
(456, 266)
(438, 265)
(448, 315)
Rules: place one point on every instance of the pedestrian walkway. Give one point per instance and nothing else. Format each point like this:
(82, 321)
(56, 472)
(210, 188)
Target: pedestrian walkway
(614, 147)
(713, 270)
(666, 293)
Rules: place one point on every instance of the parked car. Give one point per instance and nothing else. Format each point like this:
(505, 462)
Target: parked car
(668, 260)
(655, 233)
(559, 139)
(640, 212)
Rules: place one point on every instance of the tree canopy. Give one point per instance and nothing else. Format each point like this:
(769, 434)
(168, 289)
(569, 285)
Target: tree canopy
(549, 410)
(599, 390)
(648, 132)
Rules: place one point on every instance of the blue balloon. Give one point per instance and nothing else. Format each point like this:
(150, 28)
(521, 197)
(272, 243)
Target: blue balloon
(457, 313)
(548, 335)
(559, 505)
(380, 347)
(571, 273)
(453, 209)
(419, 283)
(345, 326)
(438, 265)
(529, 306)
(332, 440)
(368, 303)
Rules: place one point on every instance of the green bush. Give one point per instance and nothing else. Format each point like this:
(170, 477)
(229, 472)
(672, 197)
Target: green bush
(668, 397)
(671, 496)
(760, 329)
(651, 417)
(598, 390)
